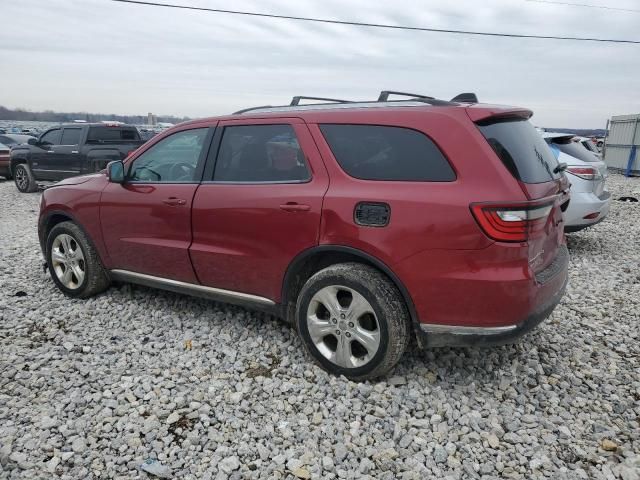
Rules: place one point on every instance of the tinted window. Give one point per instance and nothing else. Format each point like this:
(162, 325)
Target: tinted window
(52, 137)
(71, 136)
(7, 140)
(575, 149)
(522, 150)
(260, 153)
(173, 159)
(111, 134)
(373, 152)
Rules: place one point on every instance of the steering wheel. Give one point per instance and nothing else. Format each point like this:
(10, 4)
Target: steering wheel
(182, 171)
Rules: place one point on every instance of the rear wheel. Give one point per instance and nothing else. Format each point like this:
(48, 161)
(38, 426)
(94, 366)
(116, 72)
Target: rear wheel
(22, 176)
(73, 262)
(353, 321)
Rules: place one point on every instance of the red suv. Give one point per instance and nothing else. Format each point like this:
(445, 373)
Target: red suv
(361, 223)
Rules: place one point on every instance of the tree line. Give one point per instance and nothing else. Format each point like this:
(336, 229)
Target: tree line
(20, 114)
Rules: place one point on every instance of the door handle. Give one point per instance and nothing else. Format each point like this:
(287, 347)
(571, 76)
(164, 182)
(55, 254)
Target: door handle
(74, 151)
(295, 207)
(174, 202)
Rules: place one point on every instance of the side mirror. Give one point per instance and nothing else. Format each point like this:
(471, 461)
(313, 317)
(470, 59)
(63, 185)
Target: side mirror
(32, 141)
(115, 171)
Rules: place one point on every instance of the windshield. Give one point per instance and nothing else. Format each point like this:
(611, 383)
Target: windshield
(521, 149)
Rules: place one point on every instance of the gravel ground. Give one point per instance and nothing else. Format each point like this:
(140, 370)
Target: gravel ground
(92, 389)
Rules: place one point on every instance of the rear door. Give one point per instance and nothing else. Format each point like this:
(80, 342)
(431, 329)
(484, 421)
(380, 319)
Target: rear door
(67, 153)
(259, 205)
(530, 160)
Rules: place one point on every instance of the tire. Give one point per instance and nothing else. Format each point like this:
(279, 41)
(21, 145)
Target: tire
(73, 263)
(341, 337)
(22, 176)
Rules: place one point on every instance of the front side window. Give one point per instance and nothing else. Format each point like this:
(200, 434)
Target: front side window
(260, 153)
(173, 159)
(71, 136)
(373, 152)
(52, 137)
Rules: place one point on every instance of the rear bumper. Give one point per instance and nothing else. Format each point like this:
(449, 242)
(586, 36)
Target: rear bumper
(551, 282)
(583, 204)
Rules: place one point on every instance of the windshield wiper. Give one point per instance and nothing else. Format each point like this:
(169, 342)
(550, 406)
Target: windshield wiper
(560, 168)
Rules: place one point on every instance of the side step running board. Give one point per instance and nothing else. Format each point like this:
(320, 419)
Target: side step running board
(216, 294)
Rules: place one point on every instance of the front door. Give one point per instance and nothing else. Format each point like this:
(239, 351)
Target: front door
(146, 221)
(259, 205)
(45, 161)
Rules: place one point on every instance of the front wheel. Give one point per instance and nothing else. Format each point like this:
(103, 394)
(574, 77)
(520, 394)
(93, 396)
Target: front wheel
(73, 262)
(353, 321)
(22, 176)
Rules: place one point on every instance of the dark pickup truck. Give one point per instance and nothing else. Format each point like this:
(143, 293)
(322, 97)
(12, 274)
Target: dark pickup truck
(70, 150)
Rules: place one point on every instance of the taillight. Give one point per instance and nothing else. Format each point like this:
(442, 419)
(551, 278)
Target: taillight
(512, 222)
(586, 173)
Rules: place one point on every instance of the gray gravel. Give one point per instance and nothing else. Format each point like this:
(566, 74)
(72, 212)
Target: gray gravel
(94, 388)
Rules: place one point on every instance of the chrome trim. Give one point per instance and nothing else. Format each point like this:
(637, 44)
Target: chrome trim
(57, 171)
(177, 286)
(462, 330)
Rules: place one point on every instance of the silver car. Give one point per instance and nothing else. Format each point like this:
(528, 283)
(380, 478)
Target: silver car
(590, 200)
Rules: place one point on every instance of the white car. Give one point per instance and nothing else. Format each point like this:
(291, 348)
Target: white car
(589, 145)
(590, 201)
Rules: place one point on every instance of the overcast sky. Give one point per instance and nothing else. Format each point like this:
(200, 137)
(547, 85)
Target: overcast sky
(107, 57)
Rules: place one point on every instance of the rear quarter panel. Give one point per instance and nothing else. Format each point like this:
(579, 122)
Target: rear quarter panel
(424, 215)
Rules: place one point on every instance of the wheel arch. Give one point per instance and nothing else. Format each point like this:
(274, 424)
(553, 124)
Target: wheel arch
(316, 258)
(16, 161)
(55, 217)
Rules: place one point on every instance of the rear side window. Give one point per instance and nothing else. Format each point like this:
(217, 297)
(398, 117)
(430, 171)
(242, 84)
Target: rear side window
(112, 134)
(373, 152)
(71, 136)
(522, 150)
(259, 154)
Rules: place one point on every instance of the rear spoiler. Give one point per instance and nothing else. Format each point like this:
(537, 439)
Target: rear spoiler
(495, 113)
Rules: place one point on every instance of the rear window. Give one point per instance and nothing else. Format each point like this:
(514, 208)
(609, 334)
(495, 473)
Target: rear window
(112, 134)
(522, 150)
(575, 149)
(372, 152)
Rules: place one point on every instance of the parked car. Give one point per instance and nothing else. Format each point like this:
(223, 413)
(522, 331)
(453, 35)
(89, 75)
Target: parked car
(363, 224)
(70, 150)
(590, 146)
(5, 171)
(589, 200)
(11, 139)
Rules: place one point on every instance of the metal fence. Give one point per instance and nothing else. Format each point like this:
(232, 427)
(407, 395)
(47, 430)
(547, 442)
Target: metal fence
(621, 145)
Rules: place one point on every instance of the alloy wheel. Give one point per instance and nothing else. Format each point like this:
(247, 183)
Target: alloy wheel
(21, 178)
(343, 326)
(68, 261)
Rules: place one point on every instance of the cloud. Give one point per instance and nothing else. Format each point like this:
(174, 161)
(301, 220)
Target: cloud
(102, 56)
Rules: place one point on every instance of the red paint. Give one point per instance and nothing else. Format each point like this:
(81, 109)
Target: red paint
(243, 237)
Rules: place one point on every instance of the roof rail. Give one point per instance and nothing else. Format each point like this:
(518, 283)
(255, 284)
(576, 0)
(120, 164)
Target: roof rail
(251, 108)
(465, 98)
(296, 100)
(384, 95)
